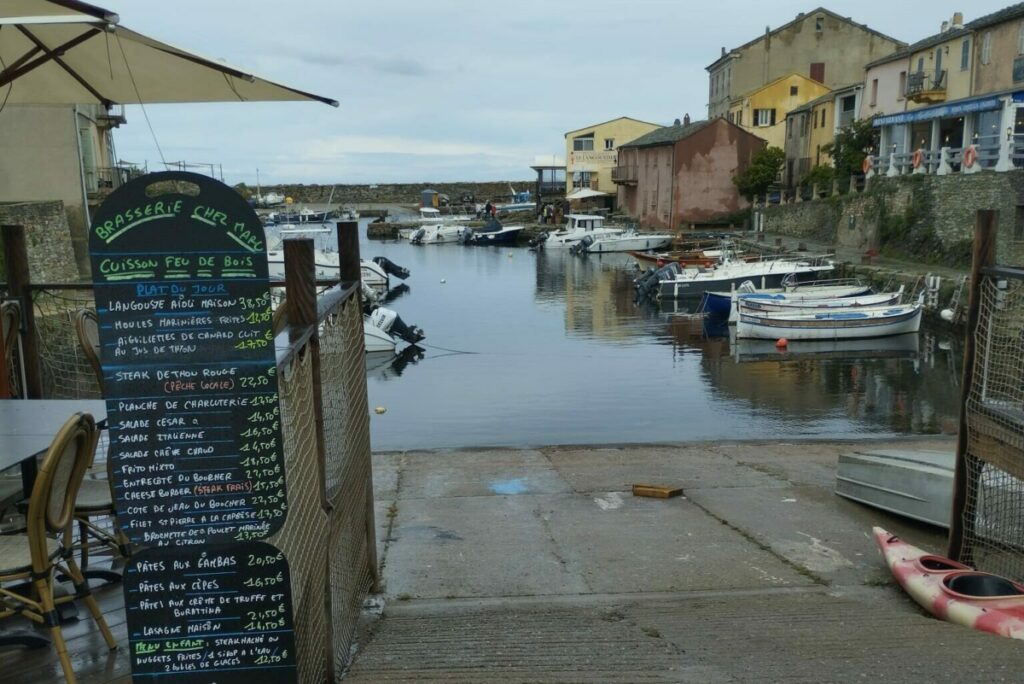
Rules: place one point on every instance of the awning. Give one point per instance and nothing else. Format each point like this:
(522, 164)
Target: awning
(69, 52)
(585, 193)
(960, 108)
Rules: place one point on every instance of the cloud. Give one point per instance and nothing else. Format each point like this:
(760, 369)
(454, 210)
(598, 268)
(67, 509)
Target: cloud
(387, 65)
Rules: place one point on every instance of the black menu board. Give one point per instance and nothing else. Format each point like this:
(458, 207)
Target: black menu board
(219, 613)
(182, 294)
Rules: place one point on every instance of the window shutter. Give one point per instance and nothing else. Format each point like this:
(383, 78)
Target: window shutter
(818, 72)
(773, 118)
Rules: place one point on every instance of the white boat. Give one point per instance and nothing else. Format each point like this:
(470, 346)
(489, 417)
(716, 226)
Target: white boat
(578, 226)
(430, 215)
(693, 282)
(915, 484)
(797, 301)
(375, 273)
(439, 234)
(384, 328)
(723, 303)
(627, 241)
(830, 325)
(348, 214)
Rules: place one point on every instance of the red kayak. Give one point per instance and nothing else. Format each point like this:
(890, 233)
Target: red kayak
(954, 592)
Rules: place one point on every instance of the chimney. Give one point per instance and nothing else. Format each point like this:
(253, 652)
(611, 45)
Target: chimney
(723, 51)
(686, 119)
(944, 27)
(958, 20)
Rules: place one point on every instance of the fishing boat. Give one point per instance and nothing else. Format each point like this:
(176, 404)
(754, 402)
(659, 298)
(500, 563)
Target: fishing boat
(830, 325)
(439, 234)
(797, 302)
(723, 303)
(895, 346)
(731, 273)
(627, 241)
(953, 591)
(916, 484)
(577, 227)
(494, 233)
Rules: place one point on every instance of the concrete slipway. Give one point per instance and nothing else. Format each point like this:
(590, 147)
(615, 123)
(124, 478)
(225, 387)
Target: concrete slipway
(540, 566)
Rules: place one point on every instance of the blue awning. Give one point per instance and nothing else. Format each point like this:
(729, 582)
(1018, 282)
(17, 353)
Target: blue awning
(985, 103)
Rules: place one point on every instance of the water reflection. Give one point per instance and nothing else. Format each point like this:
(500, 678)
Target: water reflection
(531, 348)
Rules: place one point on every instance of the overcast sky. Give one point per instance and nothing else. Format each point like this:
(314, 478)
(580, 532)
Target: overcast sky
(452, 90)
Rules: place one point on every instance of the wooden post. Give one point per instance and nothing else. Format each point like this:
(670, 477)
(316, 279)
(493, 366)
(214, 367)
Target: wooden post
(300, 291)
(348, 251)
(351, 272)
(963, 481)
(19, 287)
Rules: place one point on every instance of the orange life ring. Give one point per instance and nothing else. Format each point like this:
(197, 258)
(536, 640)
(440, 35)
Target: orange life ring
(866, 165)
(970, 156)
(918, 158)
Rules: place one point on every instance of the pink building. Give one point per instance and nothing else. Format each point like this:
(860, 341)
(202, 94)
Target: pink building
(682, 174)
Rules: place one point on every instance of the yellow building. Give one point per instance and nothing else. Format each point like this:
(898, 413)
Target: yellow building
(591, 152)
(940, 66)
(763, 111)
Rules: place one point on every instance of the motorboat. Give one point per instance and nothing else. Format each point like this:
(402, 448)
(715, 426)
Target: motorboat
(578, 226)
(830, 325)
(723, 303)
(694, 282)
(439, 234)
(796, 303)
(376, 272)
(494, 233)
(917, 484)
(627, 241)
(432, 215)
(348, 213)
(895, 346)
(384, 328)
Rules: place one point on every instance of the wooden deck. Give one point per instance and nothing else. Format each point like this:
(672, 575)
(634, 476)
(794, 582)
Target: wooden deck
(93, 662)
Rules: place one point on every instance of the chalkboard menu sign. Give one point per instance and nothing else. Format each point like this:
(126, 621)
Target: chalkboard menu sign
(219, 614)
(182, 295)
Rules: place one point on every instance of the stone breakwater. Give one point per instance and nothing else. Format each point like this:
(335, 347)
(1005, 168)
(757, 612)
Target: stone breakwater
(397, 193)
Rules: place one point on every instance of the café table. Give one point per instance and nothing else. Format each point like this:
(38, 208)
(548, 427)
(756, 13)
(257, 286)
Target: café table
(27, 427)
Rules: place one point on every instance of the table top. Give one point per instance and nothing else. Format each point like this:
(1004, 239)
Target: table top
(27, 426)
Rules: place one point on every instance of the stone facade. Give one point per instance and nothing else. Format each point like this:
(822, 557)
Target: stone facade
(51, 254)
(924, 218)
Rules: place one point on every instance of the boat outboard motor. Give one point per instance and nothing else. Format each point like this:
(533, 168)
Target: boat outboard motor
(538, 240)
(648, 283)
(390, 322)
(417, 237)
(582, 246)
(391, 268)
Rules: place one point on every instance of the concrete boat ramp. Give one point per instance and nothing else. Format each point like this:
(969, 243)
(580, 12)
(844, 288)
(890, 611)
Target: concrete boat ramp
(540, 565)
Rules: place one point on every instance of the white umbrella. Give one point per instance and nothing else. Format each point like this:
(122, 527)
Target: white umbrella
(585, 193)
(70, 52)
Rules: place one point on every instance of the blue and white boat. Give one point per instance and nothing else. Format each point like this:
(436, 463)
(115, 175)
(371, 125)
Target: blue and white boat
(493, 233)
(730, 274)
(830, 325)
(723, 303)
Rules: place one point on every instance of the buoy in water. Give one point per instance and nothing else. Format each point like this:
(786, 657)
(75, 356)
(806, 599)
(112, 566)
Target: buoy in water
(380, 410)
(781, 343)
(443, 281)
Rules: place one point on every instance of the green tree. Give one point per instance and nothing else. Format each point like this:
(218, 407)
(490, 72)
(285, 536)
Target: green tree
(762, 172)
(243, 190)
(822, 175)
(850, 146)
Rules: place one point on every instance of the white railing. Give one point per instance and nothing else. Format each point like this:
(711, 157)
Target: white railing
(987, 153)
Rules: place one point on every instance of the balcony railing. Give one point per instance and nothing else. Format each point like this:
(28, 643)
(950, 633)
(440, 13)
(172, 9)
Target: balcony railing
(100, 181)
(927, 87)
(624, 174)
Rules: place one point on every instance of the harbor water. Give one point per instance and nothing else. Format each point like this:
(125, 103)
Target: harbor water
(548, 348)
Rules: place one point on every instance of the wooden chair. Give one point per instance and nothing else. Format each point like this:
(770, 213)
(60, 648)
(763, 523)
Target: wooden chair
(46, 548)
(95, 498)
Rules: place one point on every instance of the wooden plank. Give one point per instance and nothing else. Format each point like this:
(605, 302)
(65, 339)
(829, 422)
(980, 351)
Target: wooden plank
(656, 491)
(963, 481)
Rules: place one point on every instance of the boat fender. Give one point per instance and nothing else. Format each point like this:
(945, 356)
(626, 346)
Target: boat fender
(970, 156)
(781, 343)
(918, 158)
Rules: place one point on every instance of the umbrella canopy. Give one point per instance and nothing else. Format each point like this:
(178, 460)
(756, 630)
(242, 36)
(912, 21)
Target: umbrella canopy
(70, 52)
(585, 193)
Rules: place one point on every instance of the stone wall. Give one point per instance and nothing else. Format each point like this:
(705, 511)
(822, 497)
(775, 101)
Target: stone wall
(922, 218)
(51, 254)
(404, 193)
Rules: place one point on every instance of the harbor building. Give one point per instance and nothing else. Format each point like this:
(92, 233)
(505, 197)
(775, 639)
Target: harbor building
(763, 111)
(820, 44)
(591, 152)
(682, 174)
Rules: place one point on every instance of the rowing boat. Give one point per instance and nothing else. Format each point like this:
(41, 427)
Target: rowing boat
(830, 325)
(953, 591)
